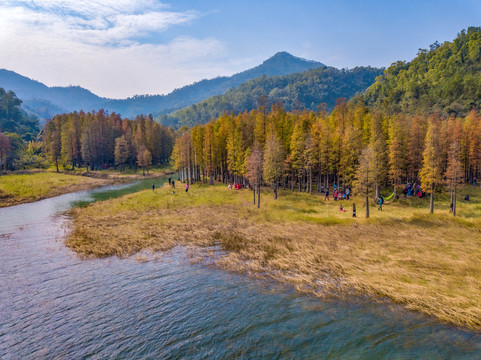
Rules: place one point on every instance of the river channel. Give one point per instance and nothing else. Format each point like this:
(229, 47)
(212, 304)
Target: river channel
(54, 305)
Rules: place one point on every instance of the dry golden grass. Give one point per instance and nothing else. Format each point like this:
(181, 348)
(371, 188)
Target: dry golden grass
(430, 263)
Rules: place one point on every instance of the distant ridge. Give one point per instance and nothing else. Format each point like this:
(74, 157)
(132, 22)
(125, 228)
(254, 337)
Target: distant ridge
(45, 102)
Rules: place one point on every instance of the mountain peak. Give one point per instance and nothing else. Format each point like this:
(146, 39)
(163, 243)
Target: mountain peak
(283, 57)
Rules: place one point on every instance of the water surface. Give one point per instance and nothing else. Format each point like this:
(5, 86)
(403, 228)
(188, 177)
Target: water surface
(54, 305)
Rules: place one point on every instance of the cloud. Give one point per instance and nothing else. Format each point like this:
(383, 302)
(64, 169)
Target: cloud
(99, 44)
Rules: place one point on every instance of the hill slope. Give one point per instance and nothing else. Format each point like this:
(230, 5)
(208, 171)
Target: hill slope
(446, 79)
(306, 90)
(13, 119)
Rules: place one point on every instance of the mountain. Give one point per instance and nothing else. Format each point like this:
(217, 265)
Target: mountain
(45, 101)
(306, 90)
(281, 63)
(445, 79)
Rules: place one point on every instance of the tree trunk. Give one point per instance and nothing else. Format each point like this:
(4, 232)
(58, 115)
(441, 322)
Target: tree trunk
(143, 171)
(310, 181)
(367, 206)
(275, 191)
(454, 201)
(431, 200)
(259, 196)
(56, 164)
(254, 192)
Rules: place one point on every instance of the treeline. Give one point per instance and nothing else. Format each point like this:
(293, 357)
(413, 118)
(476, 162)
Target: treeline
(100, 140)
(444, 79)
(299, 91)
(352, 146)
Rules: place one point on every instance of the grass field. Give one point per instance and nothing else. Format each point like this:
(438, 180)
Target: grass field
(430, 263)
(21, 188)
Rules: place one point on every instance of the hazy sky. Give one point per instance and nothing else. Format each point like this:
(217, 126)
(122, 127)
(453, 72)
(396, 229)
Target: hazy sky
(119, 48)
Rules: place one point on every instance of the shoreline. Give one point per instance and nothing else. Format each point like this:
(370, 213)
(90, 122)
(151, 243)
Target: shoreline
(91, 180)
(427, 263)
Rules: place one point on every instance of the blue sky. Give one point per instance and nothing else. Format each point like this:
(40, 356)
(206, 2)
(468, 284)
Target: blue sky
(119, 48)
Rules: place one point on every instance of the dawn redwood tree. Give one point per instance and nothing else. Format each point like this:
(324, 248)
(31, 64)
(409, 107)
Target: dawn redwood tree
(273, 162)
(396, 153)
(432, 163)
(121, 152)
(454, 173)
(415, 144)
(378, 143)
(255, 170)
(55, 148)
(144, 159)
(147, 159)
(366, 174)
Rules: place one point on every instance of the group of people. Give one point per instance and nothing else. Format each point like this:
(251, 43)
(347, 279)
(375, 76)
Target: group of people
(413, 190)
(344, 195)
(235, 186)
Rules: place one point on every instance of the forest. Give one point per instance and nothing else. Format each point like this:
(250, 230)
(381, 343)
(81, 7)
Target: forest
(444, 79)
(18, 131)
(100, 140)
(307, 90)
(352, 147)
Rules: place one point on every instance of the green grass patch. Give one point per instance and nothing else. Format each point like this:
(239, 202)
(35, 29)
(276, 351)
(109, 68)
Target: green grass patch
(20, 188)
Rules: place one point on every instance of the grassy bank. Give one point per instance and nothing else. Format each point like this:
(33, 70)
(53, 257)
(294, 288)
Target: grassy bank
(28, 186)
(22, 188)
(430, 263)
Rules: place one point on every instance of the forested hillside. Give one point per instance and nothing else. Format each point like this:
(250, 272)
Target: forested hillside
(13, 119)
(17, 129)
(306, 90)
(446, 79)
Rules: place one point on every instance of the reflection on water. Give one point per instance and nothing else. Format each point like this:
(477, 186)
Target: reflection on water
(54, 305)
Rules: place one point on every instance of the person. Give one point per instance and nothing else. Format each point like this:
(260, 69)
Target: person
(353, 210)
(229, 187)
(348, 192)
(466, 198)
(381, 201)
(341, 208)
(326, 197)
(335, 195)
(475, 181)
(153, 187)
(173, 184)
(187, 187)
(170, 181)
